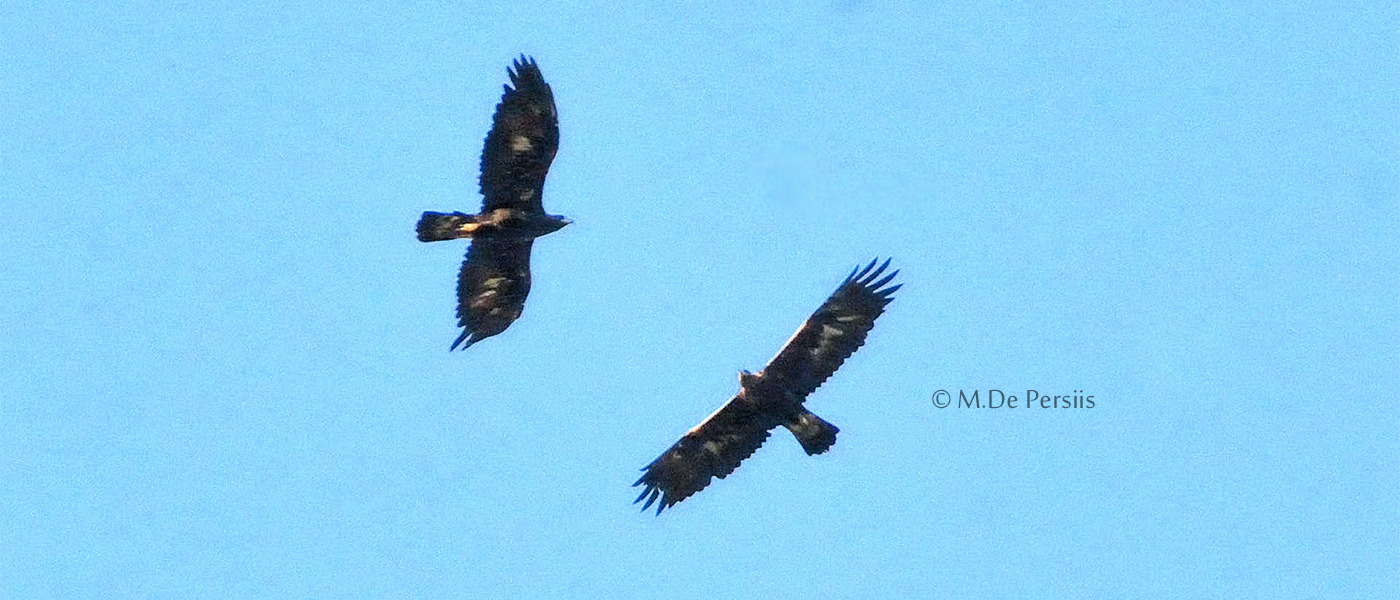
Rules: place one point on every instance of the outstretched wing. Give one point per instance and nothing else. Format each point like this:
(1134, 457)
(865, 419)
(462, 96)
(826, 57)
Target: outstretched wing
(524, 136)
(491, 288)
(834, 332)
(714, 448)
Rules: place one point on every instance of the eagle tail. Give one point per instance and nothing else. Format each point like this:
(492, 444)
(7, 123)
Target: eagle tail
(815, 434)
(437, 227)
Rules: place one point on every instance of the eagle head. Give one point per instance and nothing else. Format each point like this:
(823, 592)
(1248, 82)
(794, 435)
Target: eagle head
(748, 380)
(553, 223)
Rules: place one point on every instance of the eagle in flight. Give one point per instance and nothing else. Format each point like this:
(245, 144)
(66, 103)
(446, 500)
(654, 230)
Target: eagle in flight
(773, 396)
(495, 276)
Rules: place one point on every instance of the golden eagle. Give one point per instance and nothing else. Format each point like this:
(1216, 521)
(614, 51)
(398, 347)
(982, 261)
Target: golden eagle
(773, 396)
(495, 276)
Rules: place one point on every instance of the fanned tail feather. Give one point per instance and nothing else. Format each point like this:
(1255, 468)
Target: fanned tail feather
(815, 434)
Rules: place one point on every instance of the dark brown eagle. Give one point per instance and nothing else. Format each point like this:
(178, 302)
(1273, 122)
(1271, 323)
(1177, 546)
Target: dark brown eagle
(773, 396)
(495, 276)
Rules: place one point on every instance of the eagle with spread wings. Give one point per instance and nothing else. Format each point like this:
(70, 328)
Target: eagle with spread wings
(495, 277)
(775, 395)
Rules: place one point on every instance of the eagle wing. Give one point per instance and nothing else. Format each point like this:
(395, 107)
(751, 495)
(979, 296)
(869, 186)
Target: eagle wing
(491, 288)
(714, 448)
(834, 331)
(523, 139)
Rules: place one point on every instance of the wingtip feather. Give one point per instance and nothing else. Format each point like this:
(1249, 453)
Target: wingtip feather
(877, 285)
(866, 270)
(865, 281)
(652, 494)
(465, 337)
(518, 69)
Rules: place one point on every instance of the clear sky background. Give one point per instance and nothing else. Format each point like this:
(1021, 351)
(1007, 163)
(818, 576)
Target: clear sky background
(225, 365)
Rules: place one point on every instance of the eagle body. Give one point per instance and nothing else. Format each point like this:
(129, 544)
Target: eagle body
(775, 395)
(502, 223)
(495, 276)
(780, 404)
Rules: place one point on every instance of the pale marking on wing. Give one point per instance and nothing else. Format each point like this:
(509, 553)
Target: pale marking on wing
(521, 143)
(484, 300)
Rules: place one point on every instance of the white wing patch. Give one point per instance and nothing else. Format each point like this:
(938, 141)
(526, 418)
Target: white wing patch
(521, 143)
(484, 299)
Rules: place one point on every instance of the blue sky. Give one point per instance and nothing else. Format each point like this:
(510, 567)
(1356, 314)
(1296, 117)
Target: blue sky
(225, 354)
